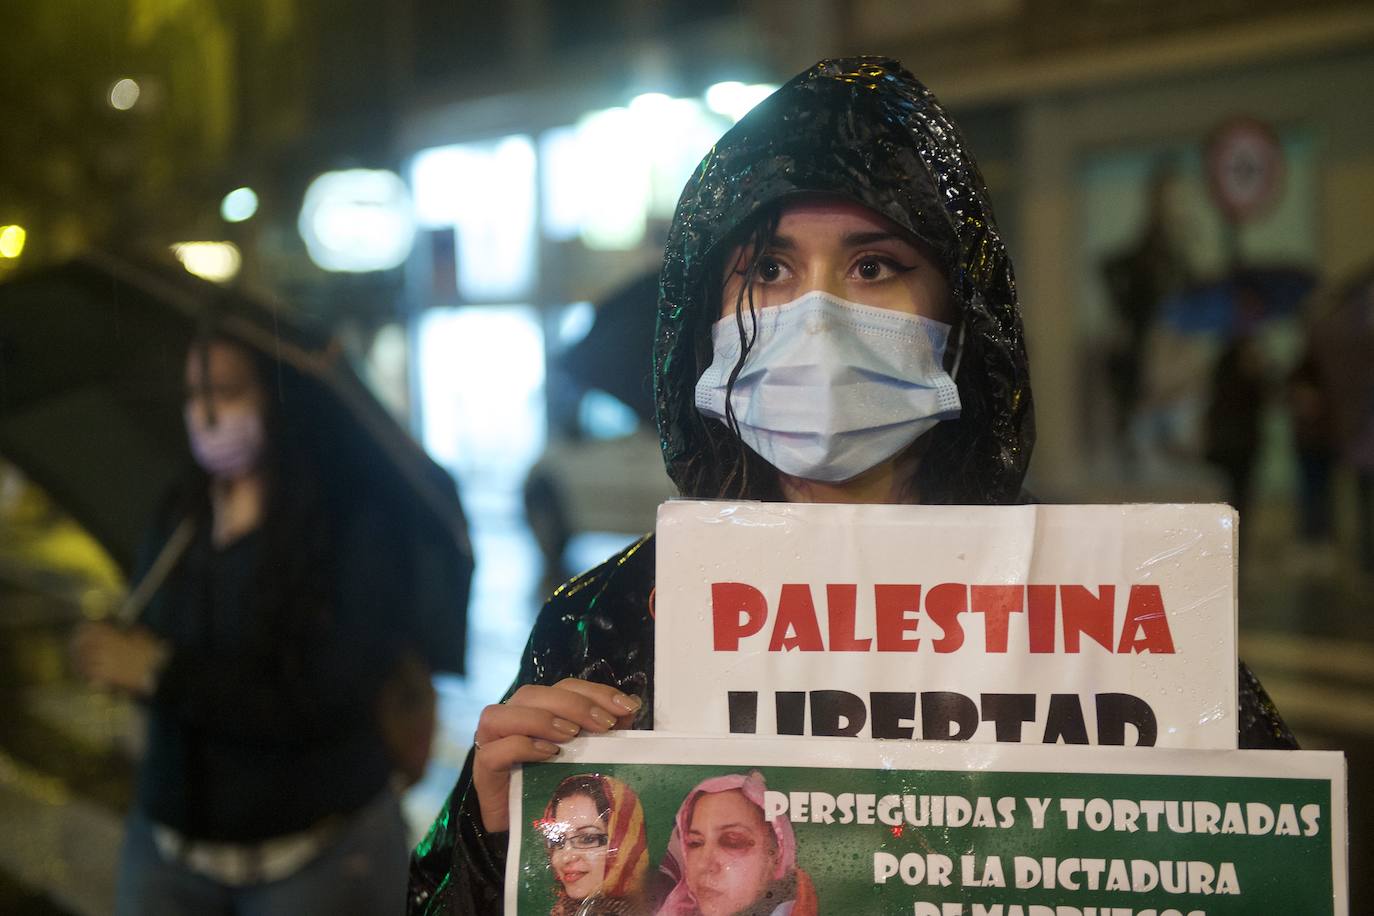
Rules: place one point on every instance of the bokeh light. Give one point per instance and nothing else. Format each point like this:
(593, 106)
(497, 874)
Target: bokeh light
(735, 99)
(238, 205)
(12, 241)
(357, 220)
(215, 261)
(124, 94)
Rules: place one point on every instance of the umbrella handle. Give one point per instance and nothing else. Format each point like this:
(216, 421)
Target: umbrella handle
(166, 560)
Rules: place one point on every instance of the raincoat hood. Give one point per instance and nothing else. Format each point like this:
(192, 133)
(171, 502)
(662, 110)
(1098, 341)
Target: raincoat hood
(867, 130)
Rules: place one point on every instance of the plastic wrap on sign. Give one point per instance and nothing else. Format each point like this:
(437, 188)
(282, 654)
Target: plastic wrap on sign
(1106, 625)
(595, 849)
(805, 826)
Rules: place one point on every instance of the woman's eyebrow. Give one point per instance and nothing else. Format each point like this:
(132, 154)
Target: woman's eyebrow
(849, 240)
(855, 239)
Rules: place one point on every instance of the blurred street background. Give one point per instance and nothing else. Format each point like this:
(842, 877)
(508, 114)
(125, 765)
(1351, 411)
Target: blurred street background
(472, 199)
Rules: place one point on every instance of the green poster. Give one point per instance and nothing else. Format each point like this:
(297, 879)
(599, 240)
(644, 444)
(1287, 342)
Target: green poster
(793, 827)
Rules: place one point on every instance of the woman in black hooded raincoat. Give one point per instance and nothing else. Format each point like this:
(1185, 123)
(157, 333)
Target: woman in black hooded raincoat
(859, 130)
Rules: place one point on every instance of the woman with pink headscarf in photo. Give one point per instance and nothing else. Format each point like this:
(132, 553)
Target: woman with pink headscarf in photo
(728, 860)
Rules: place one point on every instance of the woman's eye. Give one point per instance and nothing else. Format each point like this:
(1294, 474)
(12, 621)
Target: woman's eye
(694, 842)
(736, 841)
(877, 268)
(588, 840)
(770, 270)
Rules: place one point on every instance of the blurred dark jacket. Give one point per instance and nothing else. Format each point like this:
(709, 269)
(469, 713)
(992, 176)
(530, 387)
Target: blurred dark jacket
(1309, 407)
(263, 721)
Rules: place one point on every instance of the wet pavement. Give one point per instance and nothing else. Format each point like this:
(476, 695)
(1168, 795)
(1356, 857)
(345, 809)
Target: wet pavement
(1307, 629)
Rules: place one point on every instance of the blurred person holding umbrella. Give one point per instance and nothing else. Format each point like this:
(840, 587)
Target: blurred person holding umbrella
(260, 655)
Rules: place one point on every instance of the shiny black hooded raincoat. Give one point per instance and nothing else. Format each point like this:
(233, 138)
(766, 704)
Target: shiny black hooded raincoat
(866, 130)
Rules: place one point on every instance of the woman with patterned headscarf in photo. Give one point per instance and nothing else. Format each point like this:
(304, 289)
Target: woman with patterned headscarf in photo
(837, 322)
(598, 851)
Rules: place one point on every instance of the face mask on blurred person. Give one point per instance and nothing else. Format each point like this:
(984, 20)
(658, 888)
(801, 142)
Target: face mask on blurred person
(831, 388)
(231, 446)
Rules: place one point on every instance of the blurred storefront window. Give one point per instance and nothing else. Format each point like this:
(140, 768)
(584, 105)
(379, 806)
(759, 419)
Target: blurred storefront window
(486, 192)
(617, 168)
(523, 222)
(481, 381)
(511, 231)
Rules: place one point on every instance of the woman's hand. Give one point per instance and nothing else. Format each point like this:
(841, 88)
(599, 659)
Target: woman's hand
(530, 726)
(127, 660)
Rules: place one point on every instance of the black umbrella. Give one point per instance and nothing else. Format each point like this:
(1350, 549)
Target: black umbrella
(92, 355)
(616, 356)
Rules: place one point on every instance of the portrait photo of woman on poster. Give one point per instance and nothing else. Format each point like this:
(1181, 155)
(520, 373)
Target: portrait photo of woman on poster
(594, 832)
(727, 859)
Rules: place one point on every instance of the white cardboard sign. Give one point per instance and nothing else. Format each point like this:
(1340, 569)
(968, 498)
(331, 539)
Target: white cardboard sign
(1035, 624)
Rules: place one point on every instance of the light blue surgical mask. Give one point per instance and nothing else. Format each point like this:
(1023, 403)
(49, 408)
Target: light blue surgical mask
(831, 388)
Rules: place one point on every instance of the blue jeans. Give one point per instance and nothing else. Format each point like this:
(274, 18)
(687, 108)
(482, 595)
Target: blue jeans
(362, 871)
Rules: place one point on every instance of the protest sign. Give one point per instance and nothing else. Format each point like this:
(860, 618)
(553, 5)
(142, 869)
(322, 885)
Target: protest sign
(927, 829)
(1038, 624)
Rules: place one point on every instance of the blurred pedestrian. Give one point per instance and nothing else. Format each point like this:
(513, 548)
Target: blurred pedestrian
(259, 655)
(1139, 278)
(1233, 430)
(1343, 335)
(1314, 444)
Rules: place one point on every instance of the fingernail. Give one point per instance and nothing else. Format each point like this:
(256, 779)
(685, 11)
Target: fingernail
(546, 747)
(566, 727)
(603, 718)
(627, 702)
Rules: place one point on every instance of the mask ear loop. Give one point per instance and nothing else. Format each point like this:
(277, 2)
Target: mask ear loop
(958, 352)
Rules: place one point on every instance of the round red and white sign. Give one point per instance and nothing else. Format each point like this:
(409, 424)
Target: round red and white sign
(1245, 168)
